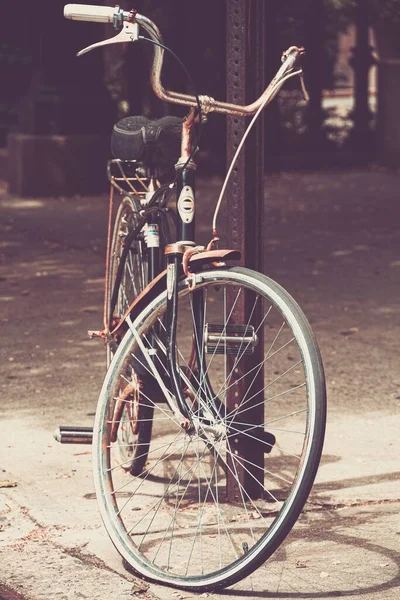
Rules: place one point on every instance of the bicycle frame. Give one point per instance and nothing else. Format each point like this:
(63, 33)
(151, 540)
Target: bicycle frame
(186, 233)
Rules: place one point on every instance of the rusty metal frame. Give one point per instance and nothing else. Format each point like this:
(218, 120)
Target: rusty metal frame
(245, 63)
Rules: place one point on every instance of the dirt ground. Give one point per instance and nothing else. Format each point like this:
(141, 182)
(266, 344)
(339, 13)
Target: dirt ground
(332, 239)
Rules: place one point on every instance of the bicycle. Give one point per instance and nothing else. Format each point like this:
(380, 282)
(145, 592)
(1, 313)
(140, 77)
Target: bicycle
(204, 453)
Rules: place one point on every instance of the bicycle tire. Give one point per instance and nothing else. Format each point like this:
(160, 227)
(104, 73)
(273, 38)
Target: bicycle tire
(134, 276)
(133, 280)
(179, 510)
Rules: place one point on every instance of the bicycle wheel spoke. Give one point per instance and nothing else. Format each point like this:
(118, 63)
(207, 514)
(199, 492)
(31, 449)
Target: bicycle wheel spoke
(155, 508)
(142, 480)
(200, 345)
(256, 439)
(148, 453)
(241, 351)
(241, 410)
(178, 503)
(258, 366)
(245, 462)
(202, 508)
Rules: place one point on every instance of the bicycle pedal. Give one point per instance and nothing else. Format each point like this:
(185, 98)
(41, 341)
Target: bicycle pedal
(96, 334)
(73, 435)
(230, 339)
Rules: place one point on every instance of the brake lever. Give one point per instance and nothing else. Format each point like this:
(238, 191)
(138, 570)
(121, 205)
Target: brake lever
(129, 33)
(301, 53)
(306, 95)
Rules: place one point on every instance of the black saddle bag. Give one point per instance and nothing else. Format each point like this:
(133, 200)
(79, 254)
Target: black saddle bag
(153, 143)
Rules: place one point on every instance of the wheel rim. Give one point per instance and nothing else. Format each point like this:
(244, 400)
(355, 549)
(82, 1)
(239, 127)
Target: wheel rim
(134, 278)
(133, 281)
(204, 509)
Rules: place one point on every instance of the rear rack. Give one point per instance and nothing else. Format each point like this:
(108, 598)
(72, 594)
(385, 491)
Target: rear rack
(131, 177)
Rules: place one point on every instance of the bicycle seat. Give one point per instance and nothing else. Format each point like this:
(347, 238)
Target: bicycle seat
(153, 143)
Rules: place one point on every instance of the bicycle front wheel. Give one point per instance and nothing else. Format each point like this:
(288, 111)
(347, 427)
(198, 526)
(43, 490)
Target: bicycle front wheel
(214, 502)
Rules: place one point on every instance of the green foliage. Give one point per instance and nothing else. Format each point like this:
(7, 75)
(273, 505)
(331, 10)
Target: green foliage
(379, 10)
(341, 5)
(385, 10)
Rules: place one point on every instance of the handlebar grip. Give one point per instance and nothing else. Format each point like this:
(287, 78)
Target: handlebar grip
(85, 12)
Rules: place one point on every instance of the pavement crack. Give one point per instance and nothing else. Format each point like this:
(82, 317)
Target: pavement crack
(89, 559)
(139, 586)
(321, 506)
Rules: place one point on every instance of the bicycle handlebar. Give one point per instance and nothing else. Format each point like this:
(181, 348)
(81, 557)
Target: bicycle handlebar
(84, 12)
(103, 14)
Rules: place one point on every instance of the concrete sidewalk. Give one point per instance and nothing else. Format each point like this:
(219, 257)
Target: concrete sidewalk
(332, 239)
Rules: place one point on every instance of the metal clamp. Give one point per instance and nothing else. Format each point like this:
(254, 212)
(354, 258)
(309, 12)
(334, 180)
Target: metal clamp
(207, 104)
(193, 279)
(189, 252)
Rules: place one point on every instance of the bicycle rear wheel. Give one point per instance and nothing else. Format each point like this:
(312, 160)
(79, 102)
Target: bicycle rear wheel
(214, 503)
(132, 432)
(134, 275)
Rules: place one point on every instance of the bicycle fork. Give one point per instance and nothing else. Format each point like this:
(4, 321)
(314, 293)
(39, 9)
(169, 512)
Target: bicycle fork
(173, 269)
(204, 398)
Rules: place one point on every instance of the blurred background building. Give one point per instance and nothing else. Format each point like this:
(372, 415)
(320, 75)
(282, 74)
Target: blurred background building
(352, 72)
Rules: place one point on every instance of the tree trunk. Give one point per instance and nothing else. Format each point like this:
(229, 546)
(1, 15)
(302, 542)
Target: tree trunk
(388, 122)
